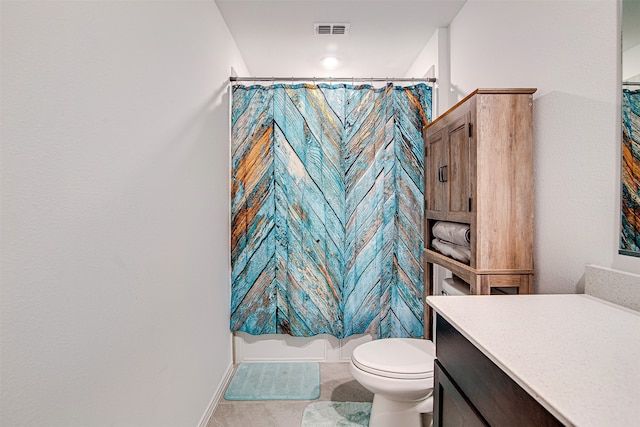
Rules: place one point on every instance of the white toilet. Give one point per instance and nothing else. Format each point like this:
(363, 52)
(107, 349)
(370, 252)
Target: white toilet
(399, 372)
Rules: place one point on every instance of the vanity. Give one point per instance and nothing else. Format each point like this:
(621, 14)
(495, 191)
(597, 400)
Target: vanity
(535, 360)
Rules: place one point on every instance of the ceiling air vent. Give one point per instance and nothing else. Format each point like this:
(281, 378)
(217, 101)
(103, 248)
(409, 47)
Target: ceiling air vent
(332, 29)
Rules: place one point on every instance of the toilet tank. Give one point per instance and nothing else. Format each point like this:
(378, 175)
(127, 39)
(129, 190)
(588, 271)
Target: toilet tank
(454, 286)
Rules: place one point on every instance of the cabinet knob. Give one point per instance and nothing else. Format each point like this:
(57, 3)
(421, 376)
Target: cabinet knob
(442, 174)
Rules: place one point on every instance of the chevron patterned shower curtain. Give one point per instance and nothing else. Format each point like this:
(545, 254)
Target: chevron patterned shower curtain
(630, 195)
(327, 209)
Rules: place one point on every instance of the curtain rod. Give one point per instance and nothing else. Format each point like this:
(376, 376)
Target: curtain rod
(630, 83)
(331, 79)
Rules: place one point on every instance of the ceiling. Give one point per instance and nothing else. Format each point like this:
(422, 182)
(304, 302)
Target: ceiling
(277, 37)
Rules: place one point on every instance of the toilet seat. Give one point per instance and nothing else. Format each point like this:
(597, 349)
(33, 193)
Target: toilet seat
(401, 358)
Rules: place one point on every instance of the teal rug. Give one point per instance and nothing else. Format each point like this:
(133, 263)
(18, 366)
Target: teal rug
(275, 381)
(336, 414)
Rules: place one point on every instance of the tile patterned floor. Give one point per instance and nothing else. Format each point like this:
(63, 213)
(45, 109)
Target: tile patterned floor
(336, 384)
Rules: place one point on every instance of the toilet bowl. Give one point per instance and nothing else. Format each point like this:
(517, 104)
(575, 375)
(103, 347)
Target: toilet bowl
(399, 372)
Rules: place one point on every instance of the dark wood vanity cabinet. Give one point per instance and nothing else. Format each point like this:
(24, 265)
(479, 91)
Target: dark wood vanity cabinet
(471, 390)
(454, 409)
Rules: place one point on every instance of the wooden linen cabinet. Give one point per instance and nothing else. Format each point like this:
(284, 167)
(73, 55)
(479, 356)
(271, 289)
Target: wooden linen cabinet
(479, 171)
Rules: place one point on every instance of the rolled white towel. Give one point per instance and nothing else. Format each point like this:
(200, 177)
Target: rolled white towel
(457, 252)
(453, 232)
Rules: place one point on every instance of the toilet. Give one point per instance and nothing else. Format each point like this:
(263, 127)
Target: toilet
(399, 372)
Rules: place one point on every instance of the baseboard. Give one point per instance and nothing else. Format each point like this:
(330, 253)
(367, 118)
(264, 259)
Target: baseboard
(217, 396)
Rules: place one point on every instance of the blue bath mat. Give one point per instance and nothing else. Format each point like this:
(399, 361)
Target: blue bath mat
(275, 381)
(336, 414)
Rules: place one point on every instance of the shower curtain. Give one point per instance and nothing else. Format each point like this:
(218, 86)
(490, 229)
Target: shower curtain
(630, 196)
(327, 209)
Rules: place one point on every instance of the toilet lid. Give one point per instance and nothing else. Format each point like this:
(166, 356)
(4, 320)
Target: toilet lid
(407, 358)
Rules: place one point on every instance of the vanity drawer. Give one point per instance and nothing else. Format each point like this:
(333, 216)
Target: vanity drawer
(489, 391)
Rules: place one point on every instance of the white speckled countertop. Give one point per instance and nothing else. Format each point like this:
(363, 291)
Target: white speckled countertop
(577, 355)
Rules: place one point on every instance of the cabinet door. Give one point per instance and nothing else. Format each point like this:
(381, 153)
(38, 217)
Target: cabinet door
(437, 157)
(460, 169)
(450, 407)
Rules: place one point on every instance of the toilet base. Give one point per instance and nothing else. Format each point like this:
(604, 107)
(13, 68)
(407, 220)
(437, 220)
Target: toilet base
(389, 413)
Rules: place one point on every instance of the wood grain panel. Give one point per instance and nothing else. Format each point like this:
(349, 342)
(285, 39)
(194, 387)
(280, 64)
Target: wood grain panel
(504, 178)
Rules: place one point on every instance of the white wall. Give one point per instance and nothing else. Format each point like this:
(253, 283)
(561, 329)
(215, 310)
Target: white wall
(435, 55)
(115, 253)
(569, 50)
(631, 63)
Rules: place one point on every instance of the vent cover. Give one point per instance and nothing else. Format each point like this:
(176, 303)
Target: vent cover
(336, 29)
